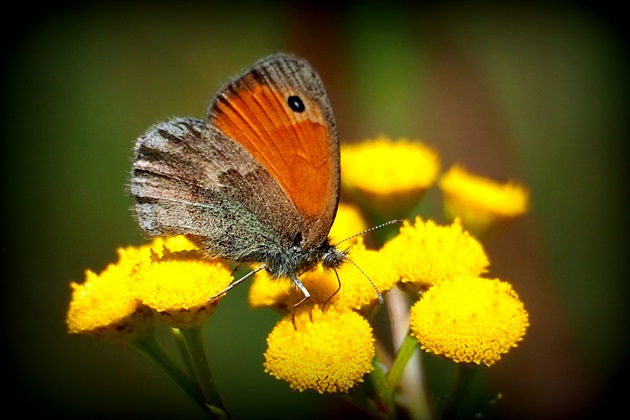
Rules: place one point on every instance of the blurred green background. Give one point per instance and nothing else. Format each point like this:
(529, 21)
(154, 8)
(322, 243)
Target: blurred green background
(529, 91)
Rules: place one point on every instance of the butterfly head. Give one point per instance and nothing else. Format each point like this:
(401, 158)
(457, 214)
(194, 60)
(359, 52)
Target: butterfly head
(297, 259)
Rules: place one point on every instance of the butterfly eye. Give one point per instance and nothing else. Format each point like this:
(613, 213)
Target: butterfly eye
(297, 241)
(296, 104)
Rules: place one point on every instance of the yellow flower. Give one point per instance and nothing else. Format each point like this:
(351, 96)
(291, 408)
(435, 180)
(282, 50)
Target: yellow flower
(481, 203)
(161, 245)
(348, 222)
(426, 253)
(469, 320)
(131, 256)
(173, 244)
(178, 285)
(388, 177)
(356, 291)
(326, 351)
(267, 292)
(104, 305)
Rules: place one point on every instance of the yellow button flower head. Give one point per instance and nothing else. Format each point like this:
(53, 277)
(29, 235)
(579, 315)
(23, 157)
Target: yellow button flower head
(348, 222)
(388, 177)
(356, 291)
(326, 351)
(160, 245)
(131, 256)
(267, 292)
(173, 244)
(481, 203)
(104, 305)
(178, 285)
(469, 320)
(425, 254)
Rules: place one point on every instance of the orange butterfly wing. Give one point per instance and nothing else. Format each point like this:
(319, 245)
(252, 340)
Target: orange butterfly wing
(279, 112)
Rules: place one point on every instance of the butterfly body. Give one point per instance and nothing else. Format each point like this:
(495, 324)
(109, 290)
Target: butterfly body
(257, 181)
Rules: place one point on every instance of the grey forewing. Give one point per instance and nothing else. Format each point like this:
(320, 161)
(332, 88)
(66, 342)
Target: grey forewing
(188, 178)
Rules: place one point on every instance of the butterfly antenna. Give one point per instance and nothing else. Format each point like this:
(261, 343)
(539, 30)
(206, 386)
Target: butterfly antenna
(237, 282)
(391, 222)
(378, 292)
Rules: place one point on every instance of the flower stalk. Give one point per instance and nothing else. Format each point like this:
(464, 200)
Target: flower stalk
(383, 389)
(374, 397)
(456, 400)
(193, 337)
(407, 349)
(151, 348)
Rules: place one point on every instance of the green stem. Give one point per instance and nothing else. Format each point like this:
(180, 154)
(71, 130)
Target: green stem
(374, 396)
(461, 388)
(150, 347)
(358, 397)
(196, 352)
(412, 391)
(407, 349)
(383, 388)
(180, 343)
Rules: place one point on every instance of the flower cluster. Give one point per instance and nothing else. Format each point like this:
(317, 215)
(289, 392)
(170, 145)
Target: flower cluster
(456, 313)
(327, 343)
(168, 279)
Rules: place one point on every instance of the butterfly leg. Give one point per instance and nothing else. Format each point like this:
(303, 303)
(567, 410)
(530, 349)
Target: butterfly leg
(300, 286)
(237, 282)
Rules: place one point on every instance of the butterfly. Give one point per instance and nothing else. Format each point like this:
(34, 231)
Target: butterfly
(256, 181)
